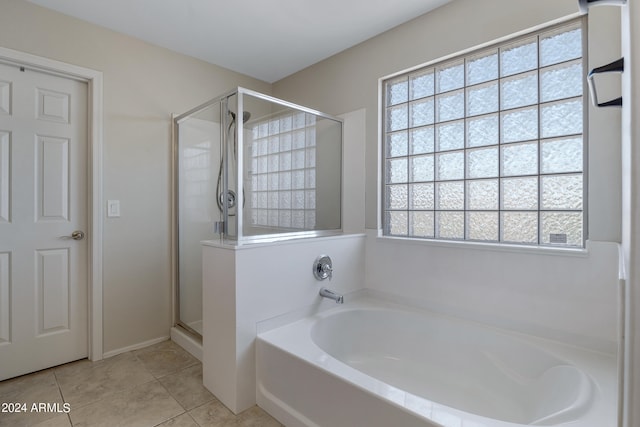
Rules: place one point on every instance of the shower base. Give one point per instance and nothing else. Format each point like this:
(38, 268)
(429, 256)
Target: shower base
(187, 341)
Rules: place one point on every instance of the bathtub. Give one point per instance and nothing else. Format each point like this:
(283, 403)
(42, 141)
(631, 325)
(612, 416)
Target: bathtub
(376, 363)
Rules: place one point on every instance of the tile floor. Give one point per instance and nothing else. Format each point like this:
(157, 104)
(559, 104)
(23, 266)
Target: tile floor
(160, 385)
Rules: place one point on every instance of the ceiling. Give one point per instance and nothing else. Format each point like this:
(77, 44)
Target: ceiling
(265, 39)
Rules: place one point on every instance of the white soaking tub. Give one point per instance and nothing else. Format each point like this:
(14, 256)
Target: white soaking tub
(373, 363)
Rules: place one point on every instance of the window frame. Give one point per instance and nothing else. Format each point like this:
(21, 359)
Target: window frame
(463, 56)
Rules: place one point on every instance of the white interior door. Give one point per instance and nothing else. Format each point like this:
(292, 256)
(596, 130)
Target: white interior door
(43, 203)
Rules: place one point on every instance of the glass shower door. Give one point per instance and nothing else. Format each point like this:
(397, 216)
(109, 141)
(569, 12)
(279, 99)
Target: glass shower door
(198, 161)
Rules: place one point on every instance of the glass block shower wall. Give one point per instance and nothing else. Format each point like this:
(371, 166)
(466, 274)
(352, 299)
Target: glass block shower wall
(283, 172)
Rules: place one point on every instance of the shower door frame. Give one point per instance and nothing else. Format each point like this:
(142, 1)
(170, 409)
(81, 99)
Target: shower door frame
(175, 206)
(239, 238)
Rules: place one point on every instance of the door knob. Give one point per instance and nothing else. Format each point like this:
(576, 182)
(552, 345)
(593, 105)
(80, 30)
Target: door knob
(76, 235)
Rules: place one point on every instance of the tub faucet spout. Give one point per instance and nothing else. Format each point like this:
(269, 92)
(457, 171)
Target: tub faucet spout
(326, 293)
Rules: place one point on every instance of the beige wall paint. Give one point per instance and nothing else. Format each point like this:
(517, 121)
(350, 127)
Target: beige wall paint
(143, 86)
(349, 81)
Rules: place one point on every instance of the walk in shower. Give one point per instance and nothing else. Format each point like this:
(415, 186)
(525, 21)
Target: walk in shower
(250, 168)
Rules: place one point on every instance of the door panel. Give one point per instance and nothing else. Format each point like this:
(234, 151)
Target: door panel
(5, 302)
(43, 200)
(52, 181)
(5, 199)
(53, 290)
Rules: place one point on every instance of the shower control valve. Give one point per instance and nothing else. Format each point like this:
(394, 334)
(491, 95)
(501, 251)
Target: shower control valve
(323, 267)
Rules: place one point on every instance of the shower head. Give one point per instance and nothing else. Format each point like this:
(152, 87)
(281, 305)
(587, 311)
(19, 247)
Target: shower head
(245, 116)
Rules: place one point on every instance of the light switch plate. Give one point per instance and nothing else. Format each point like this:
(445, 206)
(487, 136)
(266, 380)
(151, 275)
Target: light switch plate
(113, 208)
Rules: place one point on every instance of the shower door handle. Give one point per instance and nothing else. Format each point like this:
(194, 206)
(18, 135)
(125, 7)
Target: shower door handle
(614, 67)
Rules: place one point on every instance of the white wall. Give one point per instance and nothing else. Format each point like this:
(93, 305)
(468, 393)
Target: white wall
(557, 295)
(249, 284)
(143, 86)
(631, 204)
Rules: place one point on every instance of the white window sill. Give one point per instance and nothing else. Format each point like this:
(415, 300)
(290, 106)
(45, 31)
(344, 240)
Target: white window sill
(486, 246)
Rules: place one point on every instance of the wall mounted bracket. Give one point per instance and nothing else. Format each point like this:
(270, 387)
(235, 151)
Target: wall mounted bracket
(613, 67)
(586, 4)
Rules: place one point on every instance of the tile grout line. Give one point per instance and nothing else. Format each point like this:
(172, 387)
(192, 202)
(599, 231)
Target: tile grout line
(173, 397)
(179, 415)
(55, 375)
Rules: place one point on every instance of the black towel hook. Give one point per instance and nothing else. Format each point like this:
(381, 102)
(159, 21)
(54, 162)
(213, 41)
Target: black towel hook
(613, 67)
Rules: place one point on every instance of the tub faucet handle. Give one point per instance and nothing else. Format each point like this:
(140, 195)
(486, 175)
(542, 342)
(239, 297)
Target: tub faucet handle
(323, 267)
(328, 270)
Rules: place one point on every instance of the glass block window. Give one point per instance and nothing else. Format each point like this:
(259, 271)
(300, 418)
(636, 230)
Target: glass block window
(489, 147)
(283, 172)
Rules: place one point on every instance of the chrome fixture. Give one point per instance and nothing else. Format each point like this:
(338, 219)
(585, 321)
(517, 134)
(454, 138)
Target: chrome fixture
(245, 116)
(613, 67)
(326, 293)
(586, 4)
(231, 199)
(323, 268)
(218, 227)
